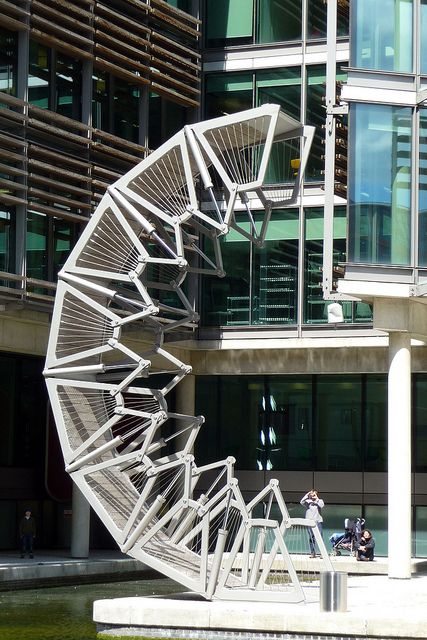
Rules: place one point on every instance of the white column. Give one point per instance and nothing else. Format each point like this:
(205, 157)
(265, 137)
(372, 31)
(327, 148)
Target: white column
(80, 525)
(399, 455)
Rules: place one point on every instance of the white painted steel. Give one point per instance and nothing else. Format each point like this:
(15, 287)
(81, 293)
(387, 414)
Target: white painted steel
(125, 278)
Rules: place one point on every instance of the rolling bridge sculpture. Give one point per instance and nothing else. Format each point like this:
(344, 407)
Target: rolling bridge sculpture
(127, 273)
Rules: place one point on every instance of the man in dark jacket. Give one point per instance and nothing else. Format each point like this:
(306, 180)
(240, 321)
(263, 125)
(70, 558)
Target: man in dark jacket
(27, 533)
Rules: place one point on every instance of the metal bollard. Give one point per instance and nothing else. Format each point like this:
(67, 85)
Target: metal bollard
(333, 591)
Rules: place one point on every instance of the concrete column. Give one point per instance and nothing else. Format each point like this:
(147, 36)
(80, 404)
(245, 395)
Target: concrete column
(80, 525)
(185, 403)
(399, 455)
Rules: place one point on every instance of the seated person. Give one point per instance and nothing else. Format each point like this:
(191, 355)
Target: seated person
(365, 549)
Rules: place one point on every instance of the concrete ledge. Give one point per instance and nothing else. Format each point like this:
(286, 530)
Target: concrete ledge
(378, 607)
(44, 570)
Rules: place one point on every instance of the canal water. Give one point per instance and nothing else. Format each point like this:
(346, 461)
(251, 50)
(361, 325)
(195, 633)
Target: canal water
(65, 613)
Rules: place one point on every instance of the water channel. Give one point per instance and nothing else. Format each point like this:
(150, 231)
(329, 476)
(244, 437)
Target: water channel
(65, 613)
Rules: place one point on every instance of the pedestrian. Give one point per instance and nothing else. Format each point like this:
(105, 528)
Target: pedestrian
(27, 533)
(365, 549)
(313, 505)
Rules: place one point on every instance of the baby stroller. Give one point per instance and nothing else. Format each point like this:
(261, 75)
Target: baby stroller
(349, 539)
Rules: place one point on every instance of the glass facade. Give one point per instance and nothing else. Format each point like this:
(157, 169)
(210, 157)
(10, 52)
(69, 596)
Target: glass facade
(380, 184)
(381, 35)
(243, 22)
(304, 422)
(8, 61)
(261, 286)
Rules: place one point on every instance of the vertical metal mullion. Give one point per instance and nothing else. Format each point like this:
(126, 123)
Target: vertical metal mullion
(21, 209)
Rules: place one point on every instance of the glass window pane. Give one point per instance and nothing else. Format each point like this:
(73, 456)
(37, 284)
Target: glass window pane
(338, 438)
(68, 86)
(279, 21)
(39, 75)
(376, 520)
(315, 116)
(229, 22)
(125, 110)
(335, 516)
(8, 61)
(101, 111)
(207, 405)
(63, 236)
(381, 35)
(37, 265)
(421, 532)
(275, 272)
(281, 87)
(423, 39)
(7, 242)
(287, 424)
(380, 184)
(226, 301)
(422, 187)
(165, 119)
(316, 20)
(228, 93)
(376, 423)
(420, 419)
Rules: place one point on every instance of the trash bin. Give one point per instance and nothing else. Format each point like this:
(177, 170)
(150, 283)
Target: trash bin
(333, 591)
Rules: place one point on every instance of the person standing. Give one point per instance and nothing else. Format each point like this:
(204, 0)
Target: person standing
(27, 533)
(313, 511)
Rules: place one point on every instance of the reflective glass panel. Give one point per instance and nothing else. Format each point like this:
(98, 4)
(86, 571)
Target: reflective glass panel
(7, 240)
(39, 75)
(229, 22)
(381, 35)
(100, 102)
(228, 93)
(125, 110)
(421, 532)
(422, 190)
(8, 61)
(279, 21)
(63, 235)
(420, 422)
(165, 119)
(68, 86)
(315, 116)
(226, 301)
(275, 272)
(338, 415)
(380, 184)
(376, 517)
(423, 38)
(376, 423)
(286, 424)
(37, 259)
(281, 87)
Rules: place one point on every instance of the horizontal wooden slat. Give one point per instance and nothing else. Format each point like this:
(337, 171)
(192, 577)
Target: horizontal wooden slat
(9, 155)
(178, 24)
(100, 36)
(60, 133)
(172, 95)
(41, 152)
(117, 71)
(168, 80)
(12, 200)
(13, 9)
(61, 16)
(71, 8)
(56, 30)
(56, 198)
(57, 213)
(176, 46)
(58, 185)
(177, 13)
(133, 146)
(12, 171)
(102, 148)
(12, 24)
(36, 165)
(120, 58)
(45, 114)
(57, 43)
(10, 184)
